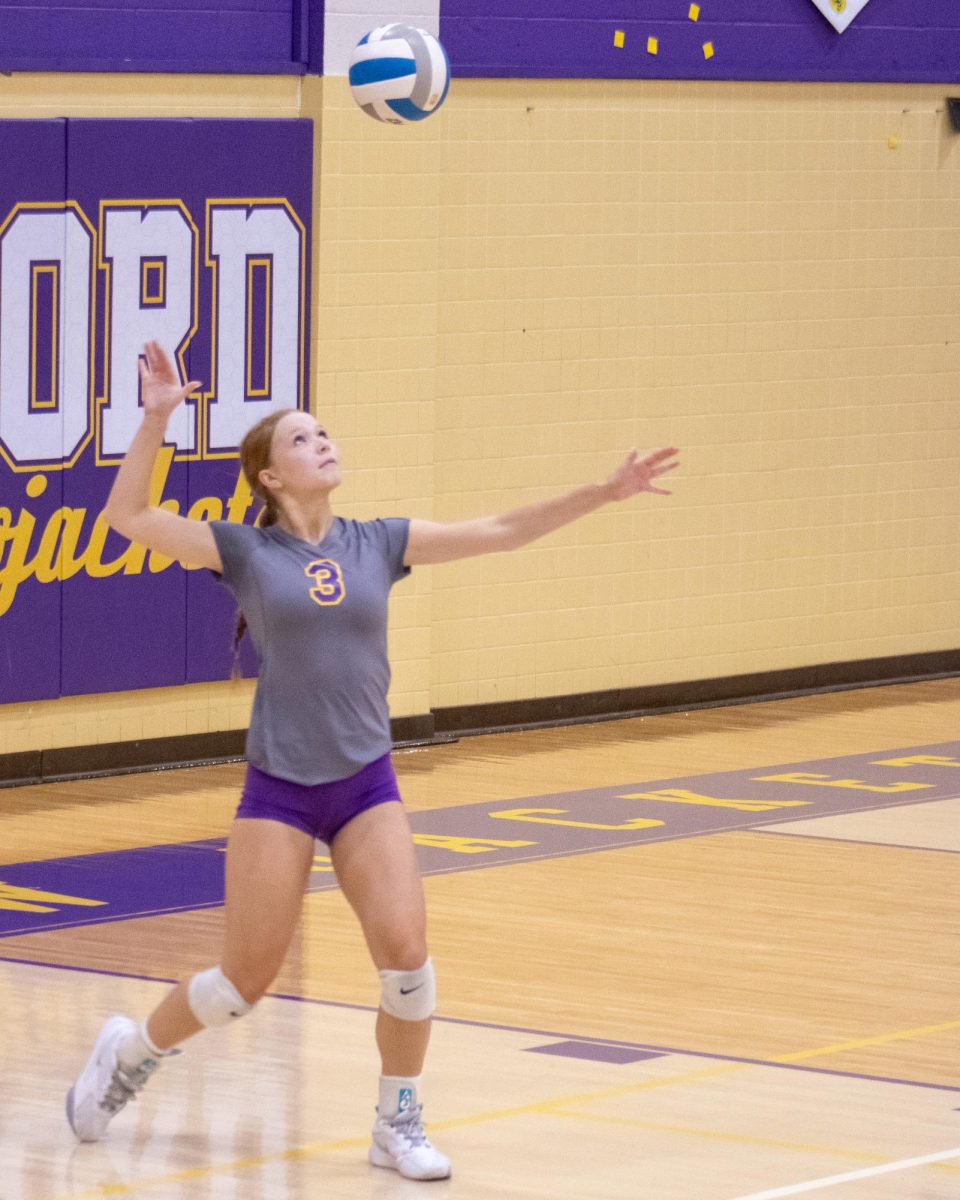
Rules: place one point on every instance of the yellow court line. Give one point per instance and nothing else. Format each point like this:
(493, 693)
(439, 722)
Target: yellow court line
(728, 1068)
(731, 1068)
(723, 1136)
(797, 1056)
(740, 1138)
(627, 1089)
(550, 1107)
(320, 1148)
(879, 1039)
(240, 1164)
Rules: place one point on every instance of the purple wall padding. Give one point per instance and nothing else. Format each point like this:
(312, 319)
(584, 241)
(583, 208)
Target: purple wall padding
(242, 36)
(81, 629)
(890, 40)
(29, 609)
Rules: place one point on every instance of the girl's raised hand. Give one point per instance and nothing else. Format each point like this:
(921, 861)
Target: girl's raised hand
(637, 474)
(160, 387)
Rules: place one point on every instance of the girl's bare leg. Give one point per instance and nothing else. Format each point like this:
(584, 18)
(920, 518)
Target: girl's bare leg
(267, 868)
(374, 858)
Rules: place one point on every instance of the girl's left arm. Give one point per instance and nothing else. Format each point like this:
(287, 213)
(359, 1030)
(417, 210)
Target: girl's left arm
(435, 542)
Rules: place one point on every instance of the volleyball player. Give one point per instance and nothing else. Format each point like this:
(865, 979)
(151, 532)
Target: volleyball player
(313, 587)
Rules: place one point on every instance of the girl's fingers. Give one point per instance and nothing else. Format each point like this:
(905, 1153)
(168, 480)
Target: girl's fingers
(158, 362)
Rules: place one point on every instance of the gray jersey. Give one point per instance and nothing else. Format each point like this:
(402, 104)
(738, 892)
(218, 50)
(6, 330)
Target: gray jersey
(318, 618)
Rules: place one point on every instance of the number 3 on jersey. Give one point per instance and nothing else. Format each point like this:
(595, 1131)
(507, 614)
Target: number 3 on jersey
(328, 586)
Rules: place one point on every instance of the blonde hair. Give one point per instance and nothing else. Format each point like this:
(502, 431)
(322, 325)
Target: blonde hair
(255, 452)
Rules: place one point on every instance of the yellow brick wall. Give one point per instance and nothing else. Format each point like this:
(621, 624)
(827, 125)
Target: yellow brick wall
(510, 295)
(765, 275)
(376, 294)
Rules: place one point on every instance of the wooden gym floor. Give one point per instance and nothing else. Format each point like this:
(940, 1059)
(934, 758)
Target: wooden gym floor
(699, 956)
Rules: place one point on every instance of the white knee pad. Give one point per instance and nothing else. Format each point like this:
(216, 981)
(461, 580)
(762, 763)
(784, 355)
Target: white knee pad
(409, 995)
(214, 1000)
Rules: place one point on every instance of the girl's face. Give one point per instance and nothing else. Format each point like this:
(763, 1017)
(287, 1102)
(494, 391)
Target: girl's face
(303, 459)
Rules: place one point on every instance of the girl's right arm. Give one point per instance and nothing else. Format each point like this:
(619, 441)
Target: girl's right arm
(128, 509)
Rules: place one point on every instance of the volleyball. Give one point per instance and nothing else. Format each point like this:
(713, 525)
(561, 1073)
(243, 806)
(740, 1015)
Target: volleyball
(399, 73)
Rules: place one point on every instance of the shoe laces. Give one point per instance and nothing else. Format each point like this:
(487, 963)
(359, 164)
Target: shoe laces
(124, 1084)
(410, 1127)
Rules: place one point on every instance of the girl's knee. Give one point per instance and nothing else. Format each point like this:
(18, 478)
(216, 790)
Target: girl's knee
(404, 955)
(252, 979)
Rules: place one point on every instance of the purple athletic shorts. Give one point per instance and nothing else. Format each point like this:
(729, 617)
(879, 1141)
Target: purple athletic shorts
(320, 809)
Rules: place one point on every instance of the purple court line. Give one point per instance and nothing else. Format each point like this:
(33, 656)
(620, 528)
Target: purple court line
(816, 837)
(544, 1033)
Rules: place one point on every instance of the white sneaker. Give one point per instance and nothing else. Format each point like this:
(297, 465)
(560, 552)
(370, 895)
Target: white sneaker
(105, 1085)
(401, 1144)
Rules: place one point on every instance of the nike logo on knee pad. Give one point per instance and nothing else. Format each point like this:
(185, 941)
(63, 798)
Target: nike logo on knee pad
(407, 991)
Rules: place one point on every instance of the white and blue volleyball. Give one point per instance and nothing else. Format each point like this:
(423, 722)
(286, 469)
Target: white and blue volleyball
(399, 73)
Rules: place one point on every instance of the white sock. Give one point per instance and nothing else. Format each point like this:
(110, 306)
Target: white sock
(137, 1046)
(397, 1094)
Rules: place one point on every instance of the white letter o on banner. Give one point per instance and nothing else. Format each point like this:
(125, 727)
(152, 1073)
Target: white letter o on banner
(56, 241)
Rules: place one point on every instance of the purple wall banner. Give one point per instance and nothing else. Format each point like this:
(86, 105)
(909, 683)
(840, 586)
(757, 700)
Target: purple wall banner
(888, 40)
(118, 885)
(885, 41)
(197, 234)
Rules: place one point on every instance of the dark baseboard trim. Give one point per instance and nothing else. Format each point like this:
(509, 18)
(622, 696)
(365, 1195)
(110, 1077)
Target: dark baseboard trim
(621, 703)
(161, 754)
(147, 754)
(21, 768)
(447, 724)
(414, 731)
